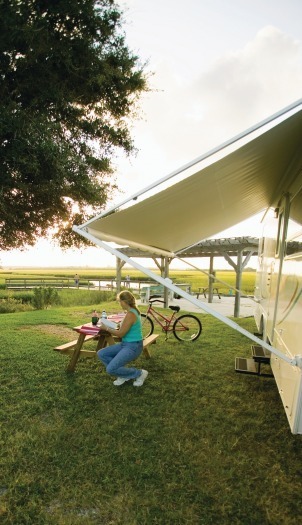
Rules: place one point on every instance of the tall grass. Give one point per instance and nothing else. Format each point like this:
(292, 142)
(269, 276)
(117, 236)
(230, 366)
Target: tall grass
(197, 444)
(194, 278)
(21, 301)
(85, 297)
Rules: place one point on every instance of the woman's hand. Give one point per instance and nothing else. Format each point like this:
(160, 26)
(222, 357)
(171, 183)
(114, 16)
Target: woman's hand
(121, 329)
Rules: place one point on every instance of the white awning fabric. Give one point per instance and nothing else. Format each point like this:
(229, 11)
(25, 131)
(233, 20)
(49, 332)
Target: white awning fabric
(241, 178)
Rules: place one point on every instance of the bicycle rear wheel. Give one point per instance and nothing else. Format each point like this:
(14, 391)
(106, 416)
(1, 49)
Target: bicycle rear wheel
(147, 325)
(187, 328)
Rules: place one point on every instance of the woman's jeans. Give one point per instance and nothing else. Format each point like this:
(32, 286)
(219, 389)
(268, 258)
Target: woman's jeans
(115, 358)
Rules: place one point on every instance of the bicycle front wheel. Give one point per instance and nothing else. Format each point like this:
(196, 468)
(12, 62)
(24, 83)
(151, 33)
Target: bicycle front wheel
(147, 325)
(187, 328)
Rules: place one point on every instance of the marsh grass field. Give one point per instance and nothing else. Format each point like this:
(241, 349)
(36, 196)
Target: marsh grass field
(197, 444)
(194, 278)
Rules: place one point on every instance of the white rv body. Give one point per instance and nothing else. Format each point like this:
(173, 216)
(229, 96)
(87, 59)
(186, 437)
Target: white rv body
(278, 294)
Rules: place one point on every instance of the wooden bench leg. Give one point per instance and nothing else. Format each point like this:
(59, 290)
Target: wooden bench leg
(101, 342)
(147, 342)
(146, 353)
(76, 353)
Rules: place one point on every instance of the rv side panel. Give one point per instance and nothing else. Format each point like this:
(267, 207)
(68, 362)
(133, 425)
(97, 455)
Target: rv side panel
(279, 310)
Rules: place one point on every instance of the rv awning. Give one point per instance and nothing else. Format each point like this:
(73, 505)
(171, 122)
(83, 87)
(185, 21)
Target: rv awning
(234, 182)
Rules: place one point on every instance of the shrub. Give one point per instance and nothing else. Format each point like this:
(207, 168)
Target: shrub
(45, 297)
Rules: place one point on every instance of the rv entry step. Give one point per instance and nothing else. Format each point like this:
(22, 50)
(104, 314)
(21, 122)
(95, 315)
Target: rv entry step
(260, 356)
(246, 366)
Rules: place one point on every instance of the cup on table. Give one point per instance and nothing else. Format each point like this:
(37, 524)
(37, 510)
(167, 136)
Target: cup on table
(94, 320)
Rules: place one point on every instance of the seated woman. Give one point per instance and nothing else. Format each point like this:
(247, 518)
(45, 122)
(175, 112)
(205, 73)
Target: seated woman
(115, 357)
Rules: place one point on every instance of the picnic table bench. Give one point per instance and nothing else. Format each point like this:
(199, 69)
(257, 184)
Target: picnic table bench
(75, 348)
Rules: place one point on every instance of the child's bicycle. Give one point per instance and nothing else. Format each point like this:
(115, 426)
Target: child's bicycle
(185, 327)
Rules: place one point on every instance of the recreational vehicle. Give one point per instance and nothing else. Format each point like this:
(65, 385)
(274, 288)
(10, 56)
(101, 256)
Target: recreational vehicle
(259, 169)
(278, 294)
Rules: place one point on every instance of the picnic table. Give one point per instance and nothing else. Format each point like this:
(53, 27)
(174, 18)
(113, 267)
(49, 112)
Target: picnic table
(103, 338)
(203, 290)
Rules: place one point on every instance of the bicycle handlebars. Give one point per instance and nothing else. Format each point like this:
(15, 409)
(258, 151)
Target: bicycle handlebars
(155, 299)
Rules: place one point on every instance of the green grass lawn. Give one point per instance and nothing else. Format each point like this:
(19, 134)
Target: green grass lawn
(197, 444)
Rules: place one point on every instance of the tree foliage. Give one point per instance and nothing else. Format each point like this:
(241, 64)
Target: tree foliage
(68, 87)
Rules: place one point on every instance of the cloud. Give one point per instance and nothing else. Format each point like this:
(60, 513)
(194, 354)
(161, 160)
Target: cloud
(185, 118)
(249, 85)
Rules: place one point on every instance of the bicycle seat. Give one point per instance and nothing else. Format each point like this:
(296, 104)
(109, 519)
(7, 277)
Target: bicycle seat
(175, 308)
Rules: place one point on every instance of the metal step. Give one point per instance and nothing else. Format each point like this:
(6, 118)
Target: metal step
(260, 354)
(245, 365)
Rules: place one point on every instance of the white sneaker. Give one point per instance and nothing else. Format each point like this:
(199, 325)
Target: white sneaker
(120, 381)
(140, 380)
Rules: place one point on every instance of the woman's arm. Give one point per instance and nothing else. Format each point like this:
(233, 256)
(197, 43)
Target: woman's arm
(128, 321)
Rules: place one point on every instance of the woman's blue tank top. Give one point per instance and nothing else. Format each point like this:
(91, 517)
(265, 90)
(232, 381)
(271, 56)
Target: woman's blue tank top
(135, 333)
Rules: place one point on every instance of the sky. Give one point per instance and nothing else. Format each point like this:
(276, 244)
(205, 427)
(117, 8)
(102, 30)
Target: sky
(216, 68)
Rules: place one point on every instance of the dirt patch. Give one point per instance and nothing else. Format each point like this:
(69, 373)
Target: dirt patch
(53, 329)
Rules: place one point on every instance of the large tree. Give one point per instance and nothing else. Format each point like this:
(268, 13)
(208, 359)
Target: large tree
(69, 85)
